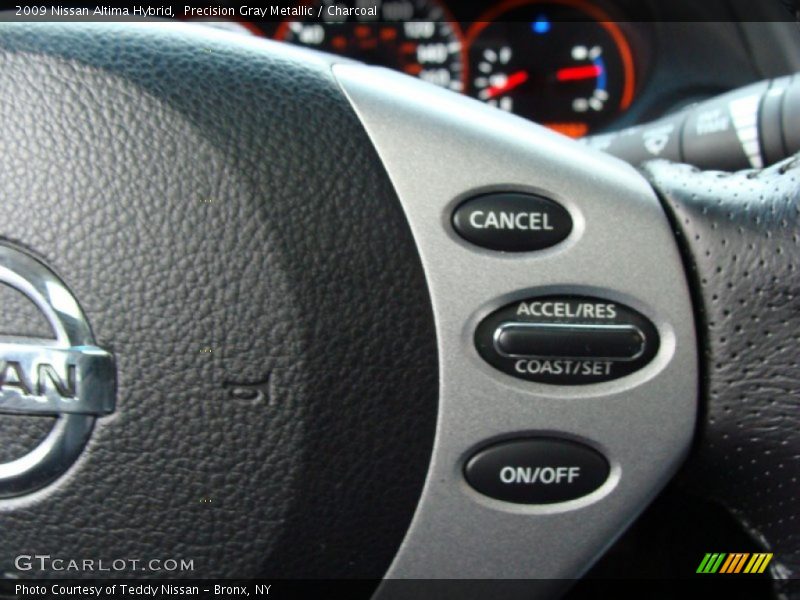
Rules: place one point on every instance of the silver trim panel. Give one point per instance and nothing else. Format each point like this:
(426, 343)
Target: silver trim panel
(439, 149)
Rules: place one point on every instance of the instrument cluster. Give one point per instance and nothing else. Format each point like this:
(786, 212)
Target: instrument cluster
(567, 64)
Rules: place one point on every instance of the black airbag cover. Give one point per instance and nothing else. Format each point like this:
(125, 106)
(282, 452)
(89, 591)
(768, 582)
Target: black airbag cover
(230, 232)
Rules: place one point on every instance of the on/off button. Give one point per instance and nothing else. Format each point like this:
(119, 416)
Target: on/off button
(537, 471)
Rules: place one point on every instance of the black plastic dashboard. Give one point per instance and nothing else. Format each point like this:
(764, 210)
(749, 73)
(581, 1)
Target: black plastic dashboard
(577, 66)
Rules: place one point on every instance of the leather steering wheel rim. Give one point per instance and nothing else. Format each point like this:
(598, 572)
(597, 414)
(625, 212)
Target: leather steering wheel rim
(739, 233)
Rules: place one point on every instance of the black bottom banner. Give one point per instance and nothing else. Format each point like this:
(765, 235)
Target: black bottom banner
(729, 588)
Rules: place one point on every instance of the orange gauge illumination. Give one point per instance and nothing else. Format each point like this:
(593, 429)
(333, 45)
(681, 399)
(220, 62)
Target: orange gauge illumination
(417, 37)
(562, 63)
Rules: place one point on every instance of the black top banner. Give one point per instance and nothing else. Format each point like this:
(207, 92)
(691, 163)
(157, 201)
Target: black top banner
(278, 11)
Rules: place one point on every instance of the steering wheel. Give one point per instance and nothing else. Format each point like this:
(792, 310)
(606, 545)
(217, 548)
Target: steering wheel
(270, 244)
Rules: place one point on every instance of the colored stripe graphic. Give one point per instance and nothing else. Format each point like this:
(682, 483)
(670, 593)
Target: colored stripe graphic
(703, 563)
(729, 562)
(711, 562)
(755, 561)
(758, 563)
(735, 562)
(739, 563)
(726, 565)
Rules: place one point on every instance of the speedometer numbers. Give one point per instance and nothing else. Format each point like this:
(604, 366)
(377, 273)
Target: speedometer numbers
(561, 63)
(499, 77)
(417, 37)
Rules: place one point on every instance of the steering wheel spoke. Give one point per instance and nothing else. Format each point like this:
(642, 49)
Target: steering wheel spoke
(441, 150)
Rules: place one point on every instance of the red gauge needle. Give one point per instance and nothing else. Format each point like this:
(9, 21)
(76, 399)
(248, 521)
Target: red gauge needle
(578, 73)
(512, 81)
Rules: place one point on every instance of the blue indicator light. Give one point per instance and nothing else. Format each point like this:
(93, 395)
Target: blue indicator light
(541, 25)
(601, 78)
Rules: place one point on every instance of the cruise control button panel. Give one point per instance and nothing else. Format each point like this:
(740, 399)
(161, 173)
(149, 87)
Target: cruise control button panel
(512, 222)
(567, 340)
(537, 470)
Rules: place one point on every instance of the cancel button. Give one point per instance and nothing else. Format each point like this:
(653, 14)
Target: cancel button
(537, 471)
(512, 222)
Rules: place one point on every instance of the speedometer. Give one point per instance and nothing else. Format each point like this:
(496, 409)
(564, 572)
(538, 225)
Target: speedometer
(416, 37)
(562, 63)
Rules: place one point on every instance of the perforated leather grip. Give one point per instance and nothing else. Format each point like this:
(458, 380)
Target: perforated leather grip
(740, 234)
